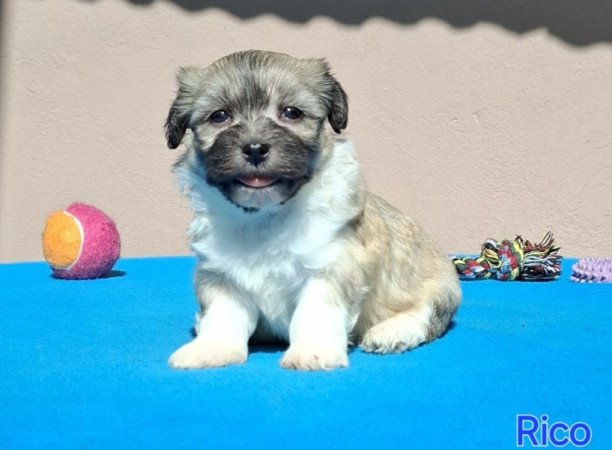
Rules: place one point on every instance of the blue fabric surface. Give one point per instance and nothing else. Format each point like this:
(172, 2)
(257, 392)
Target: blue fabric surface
(83, 365)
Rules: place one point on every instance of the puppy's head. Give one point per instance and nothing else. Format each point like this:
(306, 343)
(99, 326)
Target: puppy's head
(258, 119)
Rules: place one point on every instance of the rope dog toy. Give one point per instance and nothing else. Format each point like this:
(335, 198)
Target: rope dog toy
(512, 260)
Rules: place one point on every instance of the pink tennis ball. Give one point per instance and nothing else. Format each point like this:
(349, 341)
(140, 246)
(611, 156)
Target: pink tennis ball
(80, 242)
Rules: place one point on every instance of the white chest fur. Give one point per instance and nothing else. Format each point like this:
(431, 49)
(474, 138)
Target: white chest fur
(263, 266)
(270, 255)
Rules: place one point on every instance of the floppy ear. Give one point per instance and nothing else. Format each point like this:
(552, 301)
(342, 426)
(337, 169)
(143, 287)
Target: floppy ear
(176, 123)
(338, 113)
(189, 80)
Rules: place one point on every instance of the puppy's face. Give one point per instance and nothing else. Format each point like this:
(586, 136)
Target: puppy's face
(257, 120)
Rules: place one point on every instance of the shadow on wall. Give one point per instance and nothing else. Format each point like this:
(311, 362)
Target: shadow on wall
(580, 22)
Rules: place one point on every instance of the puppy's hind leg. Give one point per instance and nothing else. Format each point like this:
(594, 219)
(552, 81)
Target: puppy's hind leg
(400, 332)
(419, 322)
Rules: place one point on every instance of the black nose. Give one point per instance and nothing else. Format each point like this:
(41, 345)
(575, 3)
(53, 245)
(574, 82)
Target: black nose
(256, 153)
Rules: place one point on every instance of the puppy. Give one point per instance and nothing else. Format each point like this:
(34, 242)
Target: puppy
(290, 245)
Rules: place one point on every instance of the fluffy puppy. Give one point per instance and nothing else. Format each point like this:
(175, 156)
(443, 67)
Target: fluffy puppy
(290, 244)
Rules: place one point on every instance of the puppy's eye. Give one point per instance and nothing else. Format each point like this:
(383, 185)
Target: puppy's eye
(291, 113)
(219, 116)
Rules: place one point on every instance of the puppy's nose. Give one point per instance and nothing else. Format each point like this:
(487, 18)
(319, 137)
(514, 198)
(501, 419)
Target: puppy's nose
(256, 153)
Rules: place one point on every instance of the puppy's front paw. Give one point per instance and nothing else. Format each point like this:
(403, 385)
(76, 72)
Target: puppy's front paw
(301, 356)
(199, 355)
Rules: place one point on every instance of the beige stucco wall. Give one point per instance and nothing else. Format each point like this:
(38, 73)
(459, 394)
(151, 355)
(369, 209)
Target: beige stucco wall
(478, 123)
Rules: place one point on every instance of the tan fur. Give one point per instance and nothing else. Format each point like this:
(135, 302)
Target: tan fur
(406, 271)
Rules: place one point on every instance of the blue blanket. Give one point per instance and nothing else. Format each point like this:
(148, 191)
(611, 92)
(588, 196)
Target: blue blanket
(83, 365)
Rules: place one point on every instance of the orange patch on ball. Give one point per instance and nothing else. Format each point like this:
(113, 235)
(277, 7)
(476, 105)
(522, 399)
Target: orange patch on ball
(62, 240)
(81, 242)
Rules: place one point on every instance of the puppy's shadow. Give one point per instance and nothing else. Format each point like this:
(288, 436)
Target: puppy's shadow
(451, 326)
(268, 348)
(258, 346)
(281, 347)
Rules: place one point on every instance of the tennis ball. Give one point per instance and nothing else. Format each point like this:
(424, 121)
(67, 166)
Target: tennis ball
(80, 242)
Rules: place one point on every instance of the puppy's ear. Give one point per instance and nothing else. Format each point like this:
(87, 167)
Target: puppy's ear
(180, 112)
(176, 124)
(338, 114)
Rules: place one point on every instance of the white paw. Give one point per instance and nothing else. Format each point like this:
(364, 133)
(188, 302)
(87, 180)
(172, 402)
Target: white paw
(392, 336)
(198, 355)
(307, 356)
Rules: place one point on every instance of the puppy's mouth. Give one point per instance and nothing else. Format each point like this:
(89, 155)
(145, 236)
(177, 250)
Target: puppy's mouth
(255, 191)
(257, 182)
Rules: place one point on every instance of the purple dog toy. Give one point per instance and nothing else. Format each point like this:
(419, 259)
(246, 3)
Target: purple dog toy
(592, 270)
